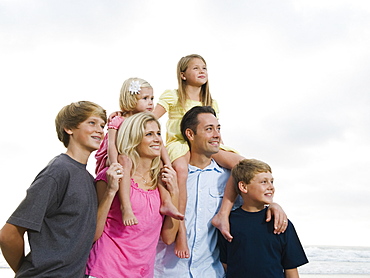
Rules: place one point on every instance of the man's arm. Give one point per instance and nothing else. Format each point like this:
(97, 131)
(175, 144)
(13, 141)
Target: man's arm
(12, 245)
(280, 218)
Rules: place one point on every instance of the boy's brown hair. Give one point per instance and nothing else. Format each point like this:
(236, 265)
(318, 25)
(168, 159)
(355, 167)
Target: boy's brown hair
(246, 170)
(70, 116)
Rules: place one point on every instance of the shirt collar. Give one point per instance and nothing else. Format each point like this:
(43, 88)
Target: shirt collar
(213, 166)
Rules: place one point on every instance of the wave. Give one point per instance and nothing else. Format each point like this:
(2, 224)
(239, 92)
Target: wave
(336, 260)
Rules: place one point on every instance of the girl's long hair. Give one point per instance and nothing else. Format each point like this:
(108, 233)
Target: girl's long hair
(205, 95)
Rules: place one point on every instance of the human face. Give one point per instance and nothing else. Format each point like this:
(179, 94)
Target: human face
(151, 143)
(88, 135)
(260, 191)
(208, 137)
(196, 73)
(145, 100)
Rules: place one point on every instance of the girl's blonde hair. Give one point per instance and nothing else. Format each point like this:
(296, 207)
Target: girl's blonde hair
(182, 65)
(129, 136)
(127, 100)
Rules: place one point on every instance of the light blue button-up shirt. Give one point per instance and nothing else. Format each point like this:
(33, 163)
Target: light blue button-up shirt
(205, 189)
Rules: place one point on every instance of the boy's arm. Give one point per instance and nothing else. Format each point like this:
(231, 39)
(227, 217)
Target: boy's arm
(280, 218)
(112, 147)
(106, 193)
(291, 273)
(12, 245)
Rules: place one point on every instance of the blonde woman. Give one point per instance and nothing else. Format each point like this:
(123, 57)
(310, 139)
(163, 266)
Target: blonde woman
(129, 251)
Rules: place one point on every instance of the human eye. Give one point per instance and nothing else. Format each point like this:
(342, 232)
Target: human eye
(149, 134)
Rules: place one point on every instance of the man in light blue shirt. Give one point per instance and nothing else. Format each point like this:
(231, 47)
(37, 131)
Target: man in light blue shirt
(205, 188)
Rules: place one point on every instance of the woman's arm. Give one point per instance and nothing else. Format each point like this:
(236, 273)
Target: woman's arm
(106, 193)
(170, 225)
(12, 245)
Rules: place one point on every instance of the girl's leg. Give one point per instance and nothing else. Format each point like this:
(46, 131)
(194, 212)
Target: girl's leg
(221, 219)
(128, 216)
(181, 167)
(167, 207)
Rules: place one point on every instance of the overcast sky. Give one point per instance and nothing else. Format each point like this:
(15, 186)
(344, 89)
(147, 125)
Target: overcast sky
(291, 79)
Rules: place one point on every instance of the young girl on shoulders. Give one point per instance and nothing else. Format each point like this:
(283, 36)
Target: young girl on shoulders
(193, 90)
(136, 96)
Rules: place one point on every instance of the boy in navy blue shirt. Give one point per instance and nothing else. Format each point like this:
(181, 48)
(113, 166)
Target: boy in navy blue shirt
(255, 250)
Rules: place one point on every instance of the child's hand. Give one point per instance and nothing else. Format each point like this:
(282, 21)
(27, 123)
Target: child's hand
(169, 179)
(115, 114)
(114, 174)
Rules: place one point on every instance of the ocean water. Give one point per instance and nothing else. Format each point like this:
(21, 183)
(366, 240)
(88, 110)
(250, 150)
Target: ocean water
(336, 260)
(323, 260)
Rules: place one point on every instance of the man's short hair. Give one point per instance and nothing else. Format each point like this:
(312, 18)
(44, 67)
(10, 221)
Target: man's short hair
(190, 119)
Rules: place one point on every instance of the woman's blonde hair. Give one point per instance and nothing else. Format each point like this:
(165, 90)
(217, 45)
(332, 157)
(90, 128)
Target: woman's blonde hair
(129, 136)
(182, 65)
(128, 100)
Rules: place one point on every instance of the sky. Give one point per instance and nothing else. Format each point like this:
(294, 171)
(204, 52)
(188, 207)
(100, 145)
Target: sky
(291, 79)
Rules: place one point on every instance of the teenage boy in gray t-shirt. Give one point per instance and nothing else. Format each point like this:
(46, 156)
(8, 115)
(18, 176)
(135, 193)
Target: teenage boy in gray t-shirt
(59, 211)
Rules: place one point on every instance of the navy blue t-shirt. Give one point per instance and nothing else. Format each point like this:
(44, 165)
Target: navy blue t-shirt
(256, 251)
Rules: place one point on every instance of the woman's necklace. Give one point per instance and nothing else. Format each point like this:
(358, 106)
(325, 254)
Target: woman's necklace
(145, 181)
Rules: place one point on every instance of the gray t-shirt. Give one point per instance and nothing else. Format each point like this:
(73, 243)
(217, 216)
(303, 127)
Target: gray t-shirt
(59, 212)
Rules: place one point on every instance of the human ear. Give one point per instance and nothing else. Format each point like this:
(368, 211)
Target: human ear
(182, 76)
(242, 187)
(189, 134)
(68, 131)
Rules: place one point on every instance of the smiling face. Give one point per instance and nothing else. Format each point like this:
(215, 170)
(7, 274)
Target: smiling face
(259, 192)
(206, 140)
(151, 143)
(88, 135)
(196, 73)
(144, 101)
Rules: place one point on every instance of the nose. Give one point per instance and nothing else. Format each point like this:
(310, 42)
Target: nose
(216, 133)
(100, 129)
(157, 138)
(271, 185)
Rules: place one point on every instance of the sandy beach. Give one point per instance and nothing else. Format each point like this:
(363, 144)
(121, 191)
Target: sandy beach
(8, 273)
